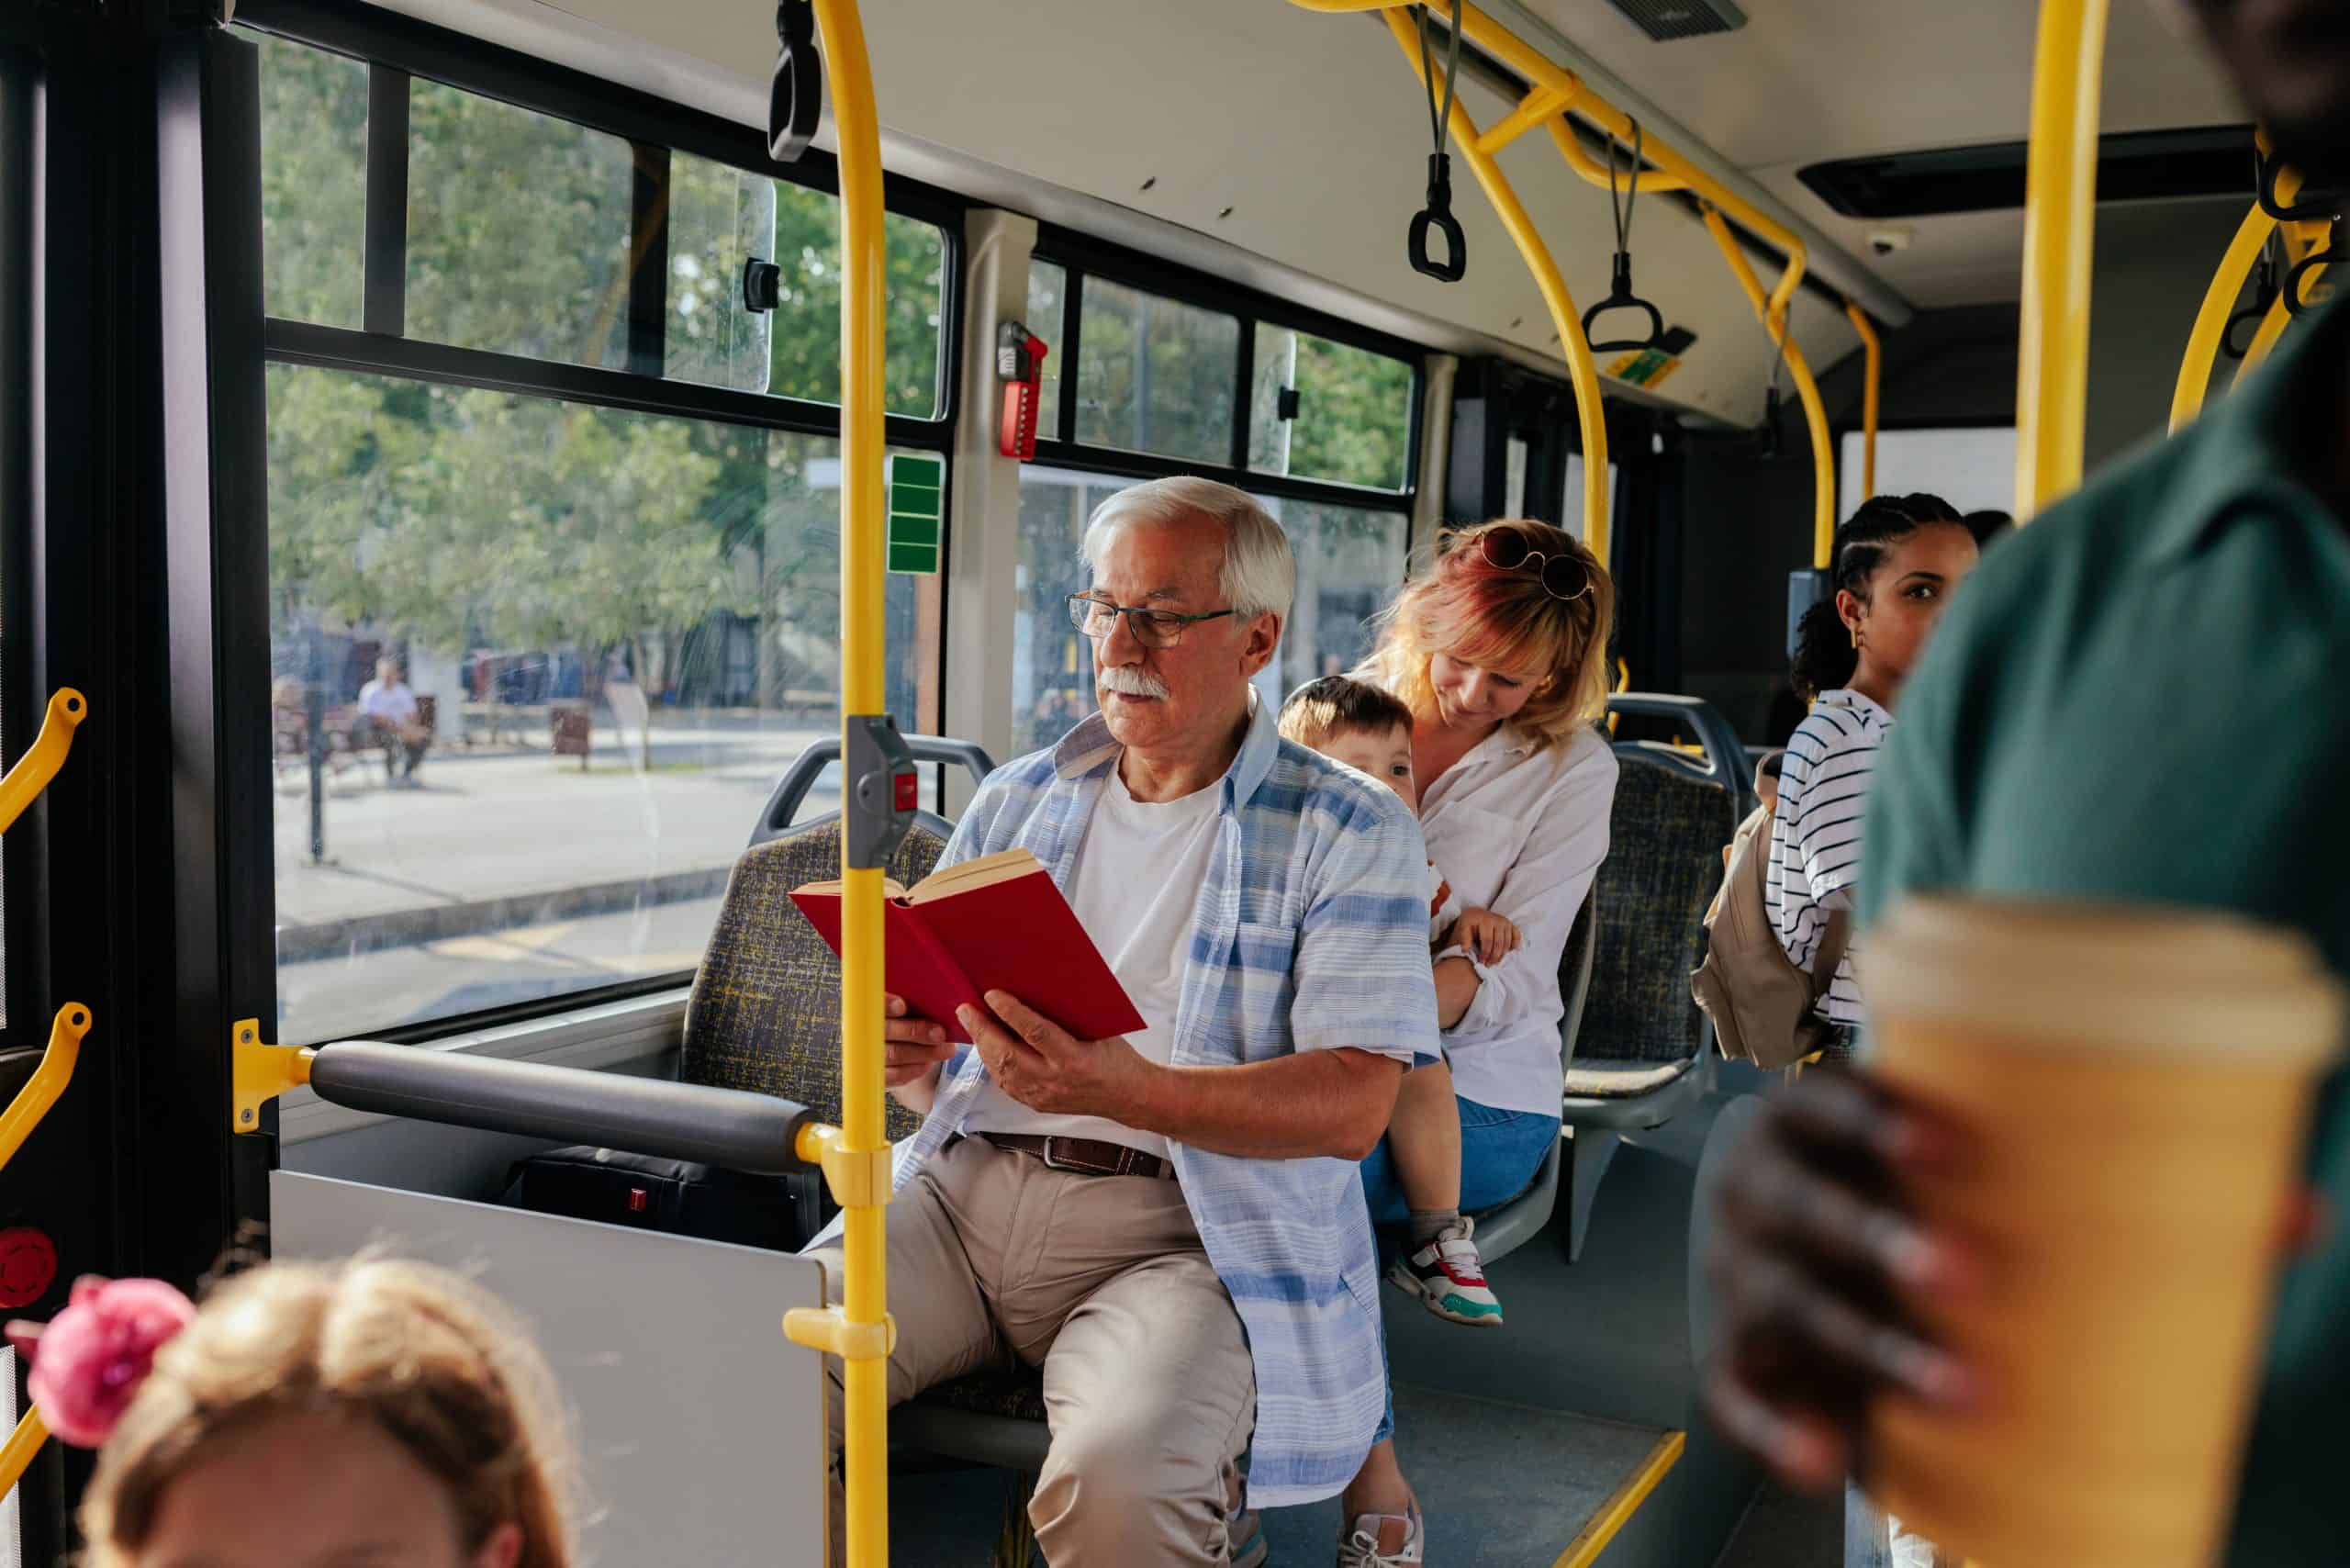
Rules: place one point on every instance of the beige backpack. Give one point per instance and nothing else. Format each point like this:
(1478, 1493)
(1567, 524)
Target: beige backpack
(1763, 1005)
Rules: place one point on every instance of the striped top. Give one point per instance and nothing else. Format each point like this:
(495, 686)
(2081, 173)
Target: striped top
(1816, 831)
(1310, 933)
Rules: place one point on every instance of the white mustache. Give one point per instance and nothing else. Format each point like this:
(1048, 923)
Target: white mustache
(1130, 681)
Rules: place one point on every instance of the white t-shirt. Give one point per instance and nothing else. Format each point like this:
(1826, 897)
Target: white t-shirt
(394, 704)
(1816, 831)
(1138, 881)
(1519, 830)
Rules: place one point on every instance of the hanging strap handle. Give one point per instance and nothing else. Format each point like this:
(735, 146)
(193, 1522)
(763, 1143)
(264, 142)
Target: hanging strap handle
(796, 94)
(1436, 215)
(1620, 295)
(2337, 249)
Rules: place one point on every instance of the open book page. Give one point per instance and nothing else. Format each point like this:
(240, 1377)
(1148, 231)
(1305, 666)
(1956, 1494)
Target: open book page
(985, 871)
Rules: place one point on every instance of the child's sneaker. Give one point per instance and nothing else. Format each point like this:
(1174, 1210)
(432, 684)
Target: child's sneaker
(1450, 1279)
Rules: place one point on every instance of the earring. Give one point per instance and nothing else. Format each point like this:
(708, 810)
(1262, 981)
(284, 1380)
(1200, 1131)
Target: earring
(1857, 636)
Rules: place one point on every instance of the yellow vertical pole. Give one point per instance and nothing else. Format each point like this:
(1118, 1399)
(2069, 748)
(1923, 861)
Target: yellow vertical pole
(2059, 230)
(849, 74)
(2272, 328)
(1815, 413)
(1581, 370)
(1874, 373)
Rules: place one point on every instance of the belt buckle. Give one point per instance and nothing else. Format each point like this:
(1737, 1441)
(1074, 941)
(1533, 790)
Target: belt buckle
(1052, 1160)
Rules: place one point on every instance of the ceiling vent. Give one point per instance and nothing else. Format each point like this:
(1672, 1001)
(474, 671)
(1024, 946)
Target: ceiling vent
(1664, 20)
(2142, 165)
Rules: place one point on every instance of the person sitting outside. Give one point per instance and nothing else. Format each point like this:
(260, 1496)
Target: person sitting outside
(389, 716)
(1171, 1224)
(1369, 731)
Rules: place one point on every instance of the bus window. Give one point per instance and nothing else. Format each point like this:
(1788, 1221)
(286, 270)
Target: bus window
(808, 361)
(1154, 374)
(539, 575)
(518, 230)
(1353, 420)
(314, 216)
(1349, 560)
(1048, 296)
(1972, 468)
(720, 218)
(1571, 516)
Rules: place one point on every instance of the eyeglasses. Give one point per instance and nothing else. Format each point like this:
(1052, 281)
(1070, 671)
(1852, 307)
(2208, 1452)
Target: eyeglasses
(1096, 618)
(1562, 576)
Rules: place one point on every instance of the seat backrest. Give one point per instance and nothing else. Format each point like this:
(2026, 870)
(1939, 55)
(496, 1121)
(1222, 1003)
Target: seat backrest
(1574, 975)
(765, 1013)
(1664, 860)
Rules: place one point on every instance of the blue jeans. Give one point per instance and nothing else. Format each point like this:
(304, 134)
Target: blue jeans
(1500, 1152)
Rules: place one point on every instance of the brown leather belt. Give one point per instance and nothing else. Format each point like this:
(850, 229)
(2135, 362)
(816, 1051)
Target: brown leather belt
(1085, 1156)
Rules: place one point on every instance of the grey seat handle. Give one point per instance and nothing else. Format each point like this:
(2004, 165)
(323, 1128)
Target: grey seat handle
(743, 1131)
(800, 776)
(1724, 753)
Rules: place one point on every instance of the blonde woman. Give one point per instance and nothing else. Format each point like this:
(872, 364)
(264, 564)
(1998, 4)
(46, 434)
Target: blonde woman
(1499, 648)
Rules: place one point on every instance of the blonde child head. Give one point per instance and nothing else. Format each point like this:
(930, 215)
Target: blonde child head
(325, 1410)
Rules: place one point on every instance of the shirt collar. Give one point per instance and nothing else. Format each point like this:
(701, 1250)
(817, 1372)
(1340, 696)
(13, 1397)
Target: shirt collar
(2243, 447)
(1091, 748)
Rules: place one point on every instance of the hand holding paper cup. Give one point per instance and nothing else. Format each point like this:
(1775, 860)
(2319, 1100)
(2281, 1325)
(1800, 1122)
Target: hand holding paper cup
(2139, 1081)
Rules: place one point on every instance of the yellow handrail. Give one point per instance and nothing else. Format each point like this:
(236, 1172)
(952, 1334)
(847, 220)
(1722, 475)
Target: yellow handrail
(1873, 372)
(49, 1080)
(1555, 92)
(16, 1453)
(2059, 229)
(863, 1324)
(2219, 306)
(1815, 412)
(40, 764)
(1581, 369)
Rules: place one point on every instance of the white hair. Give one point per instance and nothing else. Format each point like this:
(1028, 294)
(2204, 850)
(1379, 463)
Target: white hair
(1258, 576)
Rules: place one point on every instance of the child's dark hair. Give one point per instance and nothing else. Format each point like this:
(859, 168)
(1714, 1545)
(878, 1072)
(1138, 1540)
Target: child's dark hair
(1337, 704)
(1825, 657)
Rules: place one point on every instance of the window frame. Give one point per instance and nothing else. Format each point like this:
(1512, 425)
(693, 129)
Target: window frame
(1080, 256)
(397, 50)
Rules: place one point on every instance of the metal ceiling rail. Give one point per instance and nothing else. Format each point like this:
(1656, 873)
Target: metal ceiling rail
(1554, 93)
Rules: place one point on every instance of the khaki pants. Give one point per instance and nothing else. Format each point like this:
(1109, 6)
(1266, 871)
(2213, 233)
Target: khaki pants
(1101, 1282)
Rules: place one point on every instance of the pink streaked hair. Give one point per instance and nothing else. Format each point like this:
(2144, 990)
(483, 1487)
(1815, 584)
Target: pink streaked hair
(1500, 619)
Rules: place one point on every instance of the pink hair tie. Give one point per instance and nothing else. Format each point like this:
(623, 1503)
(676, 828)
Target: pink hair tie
(89, 1363)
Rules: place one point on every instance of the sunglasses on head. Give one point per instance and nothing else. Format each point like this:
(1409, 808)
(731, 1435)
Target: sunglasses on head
(1507, 550)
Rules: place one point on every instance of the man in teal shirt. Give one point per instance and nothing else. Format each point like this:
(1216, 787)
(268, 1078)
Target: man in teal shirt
(2141, 697)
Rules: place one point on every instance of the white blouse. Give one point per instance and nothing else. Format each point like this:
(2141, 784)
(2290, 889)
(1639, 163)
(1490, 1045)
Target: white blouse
(1521, 830)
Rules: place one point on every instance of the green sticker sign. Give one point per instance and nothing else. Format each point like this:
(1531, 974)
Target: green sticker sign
(917, 507)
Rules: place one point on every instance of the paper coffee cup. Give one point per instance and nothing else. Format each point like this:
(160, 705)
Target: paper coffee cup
(2139, 1083)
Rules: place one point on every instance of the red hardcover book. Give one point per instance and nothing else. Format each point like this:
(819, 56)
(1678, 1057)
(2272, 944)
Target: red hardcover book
(995, 923)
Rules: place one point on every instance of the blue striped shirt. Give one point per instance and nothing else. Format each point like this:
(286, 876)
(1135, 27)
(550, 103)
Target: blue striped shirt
(1310, 934)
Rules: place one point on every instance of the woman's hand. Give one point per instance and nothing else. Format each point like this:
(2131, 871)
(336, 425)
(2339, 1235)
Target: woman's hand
(1816, 1262)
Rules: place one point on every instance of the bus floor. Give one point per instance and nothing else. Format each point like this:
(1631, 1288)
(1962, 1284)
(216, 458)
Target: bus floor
(1513, 1438)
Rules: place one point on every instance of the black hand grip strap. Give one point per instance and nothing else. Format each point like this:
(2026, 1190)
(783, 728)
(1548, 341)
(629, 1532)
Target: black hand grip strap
(796, 94)
(2335, 252)
(2256, 314)
(1621, 297)
(732, 1127)
(2305, 207)
(1438, 215)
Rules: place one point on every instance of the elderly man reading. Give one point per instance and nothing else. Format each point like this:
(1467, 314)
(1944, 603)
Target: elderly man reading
(1188, 1258)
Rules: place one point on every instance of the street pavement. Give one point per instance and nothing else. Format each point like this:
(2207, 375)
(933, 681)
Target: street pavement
(493, 825)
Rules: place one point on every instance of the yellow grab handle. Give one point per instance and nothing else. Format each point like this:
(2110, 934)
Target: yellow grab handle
(47, 1081)
(33, 771)
(2059, 225)
(16, 1453)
